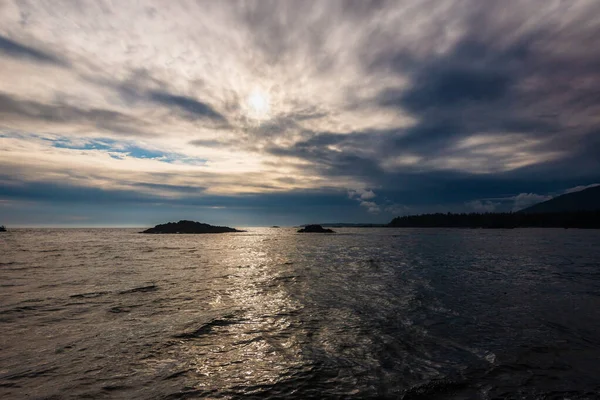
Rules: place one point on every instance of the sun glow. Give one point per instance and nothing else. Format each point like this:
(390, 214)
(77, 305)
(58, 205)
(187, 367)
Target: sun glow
(259, 104)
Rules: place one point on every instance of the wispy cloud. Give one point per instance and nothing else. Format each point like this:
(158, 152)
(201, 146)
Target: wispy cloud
(190, 106)
(482, 206)
(524, 200)
(12, 48)
(581, 187)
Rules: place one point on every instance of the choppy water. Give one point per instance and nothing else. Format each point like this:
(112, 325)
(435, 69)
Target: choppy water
(365, 313)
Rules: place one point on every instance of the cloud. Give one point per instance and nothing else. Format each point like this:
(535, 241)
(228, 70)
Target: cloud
(523, 200)
(367, 195)
(189, 105)
(23, 114)
(487, 85)
(482, 206)
(363, 194)
(14, 49)
(208, 143)
(580, 188)
(371, 207)
(365, 198)
(445, 86)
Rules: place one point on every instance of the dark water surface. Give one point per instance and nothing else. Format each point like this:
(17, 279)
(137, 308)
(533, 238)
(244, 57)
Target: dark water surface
(365, 313)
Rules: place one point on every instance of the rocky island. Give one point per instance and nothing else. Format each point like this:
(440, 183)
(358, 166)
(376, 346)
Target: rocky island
(315, 229)
(189, 227)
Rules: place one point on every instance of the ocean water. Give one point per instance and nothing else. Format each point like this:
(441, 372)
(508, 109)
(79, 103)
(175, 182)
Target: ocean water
(364, 313)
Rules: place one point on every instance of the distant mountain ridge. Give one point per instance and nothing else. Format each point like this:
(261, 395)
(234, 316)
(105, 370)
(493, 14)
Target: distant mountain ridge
(584, 200)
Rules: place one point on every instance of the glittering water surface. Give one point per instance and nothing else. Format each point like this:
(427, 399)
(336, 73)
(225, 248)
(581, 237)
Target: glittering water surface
(365, 313)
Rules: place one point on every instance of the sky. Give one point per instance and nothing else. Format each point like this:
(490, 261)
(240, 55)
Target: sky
(257, 113)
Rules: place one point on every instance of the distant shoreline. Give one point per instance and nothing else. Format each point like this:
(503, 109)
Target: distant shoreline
(577, 219)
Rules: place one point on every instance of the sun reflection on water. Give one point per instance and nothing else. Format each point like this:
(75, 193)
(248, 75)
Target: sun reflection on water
(260, 342)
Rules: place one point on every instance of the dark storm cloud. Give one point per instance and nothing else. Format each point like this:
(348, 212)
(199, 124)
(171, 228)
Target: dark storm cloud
(451, 86)
(317, 149)
(172, 188)
(15, 49)
(188, 105)
(57, 192)
(13, 110)
(12, 107)
(193, 196)
(483, 86)
(470, 89)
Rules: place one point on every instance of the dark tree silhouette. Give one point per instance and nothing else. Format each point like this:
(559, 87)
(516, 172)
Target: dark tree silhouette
(315, 229)
(189, 227)
(580, 219)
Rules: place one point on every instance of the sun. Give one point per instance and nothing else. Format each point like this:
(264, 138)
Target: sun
(258, 104)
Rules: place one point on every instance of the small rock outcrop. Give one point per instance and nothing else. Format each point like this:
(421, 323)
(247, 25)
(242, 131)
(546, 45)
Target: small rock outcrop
(315, 229)
(189, 227)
